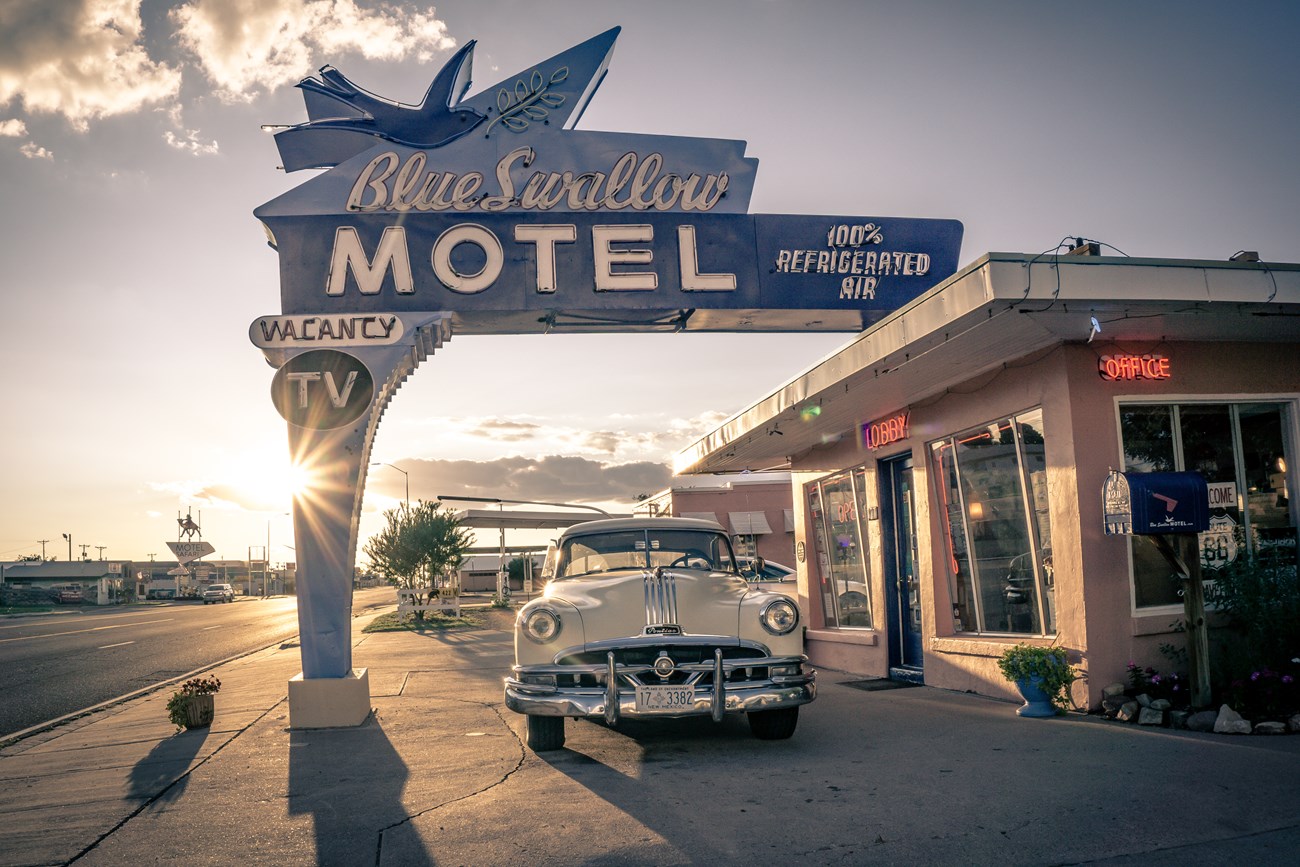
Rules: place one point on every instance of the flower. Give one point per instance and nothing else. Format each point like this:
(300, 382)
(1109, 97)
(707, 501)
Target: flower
(1286, 678)
(1254, 675)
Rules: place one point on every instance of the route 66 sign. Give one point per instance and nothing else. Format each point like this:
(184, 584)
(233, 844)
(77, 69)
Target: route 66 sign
(1219, 543)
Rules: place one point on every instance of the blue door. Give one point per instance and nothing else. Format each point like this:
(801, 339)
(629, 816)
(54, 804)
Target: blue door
(902, 585)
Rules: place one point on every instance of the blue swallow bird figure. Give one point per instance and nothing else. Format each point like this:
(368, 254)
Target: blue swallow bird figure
(344, 120)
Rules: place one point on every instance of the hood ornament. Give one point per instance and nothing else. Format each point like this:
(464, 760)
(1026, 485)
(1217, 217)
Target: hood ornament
(661, 603)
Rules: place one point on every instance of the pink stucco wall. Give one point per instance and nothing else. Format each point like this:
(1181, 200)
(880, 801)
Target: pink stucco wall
(772, 499)
(1097, 622)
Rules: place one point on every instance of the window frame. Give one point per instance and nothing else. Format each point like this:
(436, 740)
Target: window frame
(1045, 614)
(1290, 404)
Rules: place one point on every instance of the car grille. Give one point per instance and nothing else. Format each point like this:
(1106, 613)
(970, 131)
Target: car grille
(638, 662)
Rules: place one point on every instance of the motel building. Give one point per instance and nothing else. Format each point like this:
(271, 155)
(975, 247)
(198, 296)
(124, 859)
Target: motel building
(947, 463)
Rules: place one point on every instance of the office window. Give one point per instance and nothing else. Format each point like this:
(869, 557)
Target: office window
(1241, 450)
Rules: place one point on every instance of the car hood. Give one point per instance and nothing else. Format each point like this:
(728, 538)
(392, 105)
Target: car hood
(634, 602)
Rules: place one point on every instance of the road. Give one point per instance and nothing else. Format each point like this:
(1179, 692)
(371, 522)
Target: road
(56, 664)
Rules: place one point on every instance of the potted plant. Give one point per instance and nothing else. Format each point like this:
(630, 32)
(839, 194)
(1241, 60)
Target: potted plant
(1042, 674)
(193, 706)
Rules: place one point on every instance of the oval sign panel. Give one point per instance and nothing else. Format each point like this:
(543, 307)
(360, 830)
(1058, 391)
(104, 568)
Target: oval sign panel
(322, 389)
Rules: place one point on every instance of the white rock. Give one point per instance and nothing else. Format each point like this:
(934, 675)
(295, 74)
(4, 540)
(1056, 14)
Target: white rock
(1229, 722)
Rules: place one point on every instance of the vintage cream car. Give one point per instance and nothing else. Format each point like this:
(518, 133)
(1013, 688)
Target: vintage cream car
(649, 617)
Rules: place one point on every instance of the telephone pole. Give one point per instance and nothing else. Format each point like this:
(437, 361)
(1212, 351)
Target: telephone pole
(100, 549)
(42, 541)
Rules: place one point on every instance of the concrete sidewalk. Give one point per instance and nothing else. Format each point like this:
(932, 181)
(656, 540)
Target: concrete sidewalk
(439, 775)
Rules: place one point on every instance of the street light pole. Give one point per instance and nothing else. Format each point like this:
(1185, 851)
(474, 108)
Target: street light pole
(68, 536)
(404, 473)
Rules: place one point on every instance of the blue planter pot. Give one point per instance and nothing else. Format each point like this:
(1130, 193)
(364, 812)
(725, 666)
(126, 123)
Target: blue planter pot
(1037, 703)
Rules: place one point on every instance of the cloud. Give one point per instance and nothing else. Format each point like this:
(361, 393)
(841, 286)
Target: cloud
(82, 59)
(245, 46)
(657, 440)
(554, 478)
(33, 151)
(190, 142)
(13, 128)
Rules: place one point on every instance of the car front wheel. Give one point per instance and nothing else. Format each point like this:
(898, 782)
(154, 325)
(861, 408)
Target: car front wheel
(545, 733)
(773, 725)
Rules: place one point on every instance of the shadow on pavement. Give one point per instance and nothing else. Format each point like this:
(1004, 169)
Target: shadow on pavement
(350, 781)
(160, 776)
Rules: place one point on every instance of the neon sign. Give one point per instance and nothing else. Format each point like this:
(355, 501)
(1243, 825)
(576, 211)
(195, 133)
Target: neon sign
(886, 431)
(1130, 368)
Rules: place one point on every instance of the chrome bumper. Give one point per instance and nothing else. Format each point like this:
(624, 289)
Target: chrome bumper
(616, 699)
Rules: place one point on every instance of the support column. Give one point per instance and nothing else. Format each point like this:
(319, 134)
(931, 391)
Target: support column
(333, 401)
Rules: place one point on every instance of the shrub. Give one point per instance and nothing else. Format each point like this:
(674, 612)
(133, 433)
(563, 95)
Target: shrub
(1028, 662)
(178, 704)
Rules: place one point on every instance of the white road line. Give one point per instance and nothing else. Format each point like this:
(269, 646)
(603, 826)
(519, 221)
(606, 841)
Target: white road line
(121, 644)
(80, 631)
(206, 628)
(73, 618)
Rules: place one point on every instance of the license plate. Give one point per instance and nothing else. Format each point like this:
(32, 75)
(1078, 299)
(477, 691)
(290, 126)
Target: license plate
(664, 698)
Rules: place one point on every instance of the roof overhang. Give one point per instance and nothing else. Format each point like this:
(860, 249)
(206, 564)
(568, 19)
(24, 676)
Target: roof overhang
(1002, 308)
(527, 520)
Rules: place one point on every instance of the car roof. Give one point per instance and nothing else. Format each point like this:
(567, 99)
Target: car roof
(616, 524)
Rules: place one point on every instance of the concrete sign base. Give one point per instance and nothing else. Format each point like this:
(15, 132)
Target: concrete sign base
(329, 702)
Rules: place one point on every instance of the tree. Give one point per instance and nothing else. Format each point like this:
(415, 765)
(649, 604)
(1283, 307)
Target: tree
(417, 545)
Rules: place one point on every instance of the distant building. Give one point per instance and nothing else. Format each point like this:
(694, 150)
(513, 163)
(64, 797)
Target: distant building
(756, 508)
(100, 581)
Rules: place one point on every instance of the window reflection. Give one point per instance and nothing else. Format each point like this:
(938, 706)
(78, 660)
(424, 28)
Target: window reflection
(991, 483)
(836, 507)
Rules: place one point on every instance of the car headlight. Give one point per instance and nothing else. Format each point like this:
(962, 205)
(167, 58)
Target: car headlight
(779, 617)
(541, 625)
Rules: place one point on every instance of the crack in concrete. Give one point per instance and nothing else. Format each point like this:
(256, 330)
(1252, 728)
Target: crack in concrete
(523, 755)
(155, 798)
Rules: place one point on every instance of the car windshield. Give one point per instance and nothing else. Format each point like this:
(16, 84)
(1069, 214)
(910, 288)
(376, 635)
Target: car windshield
(644, 549)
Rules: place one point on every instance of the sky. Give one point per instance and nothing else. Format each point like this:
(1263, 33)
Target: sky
(132, 157)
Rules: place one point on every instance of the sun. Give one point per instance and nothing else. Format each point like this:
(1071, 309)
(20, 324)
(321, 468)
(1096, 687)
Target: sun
(267, 481)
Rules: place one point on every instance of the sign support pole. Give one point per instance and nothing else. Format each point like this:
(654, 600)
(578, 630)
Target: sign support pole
(1187, 563)
(329, 692)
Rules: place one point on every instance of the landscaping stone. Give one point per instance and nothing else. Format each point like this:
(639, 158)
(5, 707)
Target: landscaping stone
(1178, 718)
(1202, 721)
(1149, 716)
(1113, 704)
(1270, 728)
(1229, 722)
(1161, 704)
(1293, 724)
(1114, 690)
(1144, 700)
(1128, 712)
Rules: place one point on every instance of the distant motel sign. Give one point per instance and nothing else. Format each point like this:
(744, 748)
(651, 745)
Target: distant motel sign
(504, 215)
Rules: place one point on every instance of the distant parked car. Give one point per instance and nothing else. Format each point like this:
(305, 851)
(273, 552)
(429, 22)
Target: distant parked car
(650, 617)
(218, 593)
